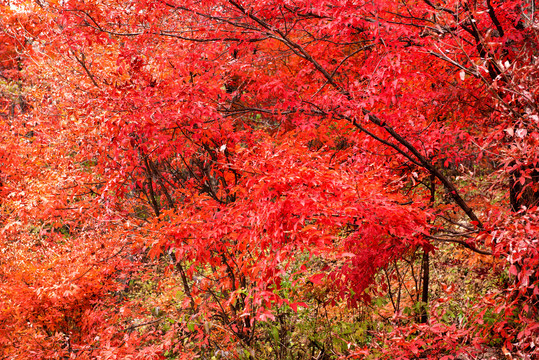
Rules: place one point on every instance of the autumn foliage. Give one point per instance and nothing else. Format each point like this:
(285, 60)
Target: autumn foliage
(269, 179)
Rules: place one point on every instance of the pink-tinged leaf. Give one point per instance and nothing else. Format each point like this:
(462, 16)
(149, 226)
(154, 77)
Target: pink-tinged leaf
(513, 270)
(265, 315)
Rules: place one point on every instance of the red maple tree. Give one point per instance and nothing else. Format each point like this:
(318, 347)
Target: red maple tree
(239, 158)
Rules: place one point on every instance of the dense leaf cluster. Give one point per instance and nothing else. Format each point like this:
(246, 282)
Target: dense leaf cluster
(275, 179)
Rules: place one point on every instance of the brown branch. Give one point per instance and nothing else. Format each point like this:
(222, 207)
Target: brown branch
(460, 242)
(453, 192)
(132, 327)
(494, 19)
(82, 62)
(185, 284)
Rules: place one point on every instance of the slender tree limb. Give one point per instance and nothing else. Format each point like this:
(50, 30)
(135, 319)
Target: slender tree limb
(82, 62)
(460, 242)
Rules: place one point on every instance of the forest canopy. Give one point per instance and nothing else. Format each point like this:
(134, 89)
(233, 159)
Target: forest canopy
(269, 179)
